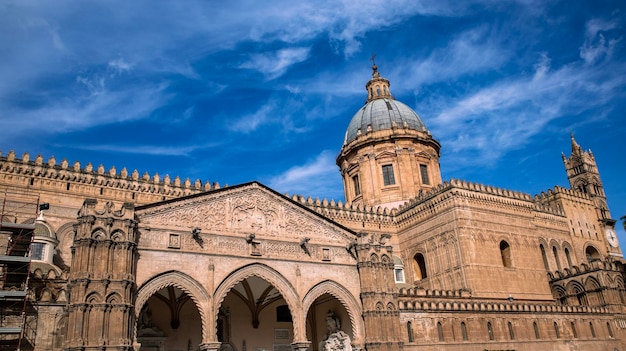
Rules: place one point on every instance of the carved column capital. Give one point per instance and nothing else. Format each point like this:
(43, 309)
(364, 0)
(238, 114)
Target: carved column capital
(301, 346)
(210, 346)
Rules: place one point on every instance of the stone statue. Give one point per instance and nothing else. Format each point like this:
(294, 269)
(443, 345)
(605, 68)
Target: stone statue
(336, 339)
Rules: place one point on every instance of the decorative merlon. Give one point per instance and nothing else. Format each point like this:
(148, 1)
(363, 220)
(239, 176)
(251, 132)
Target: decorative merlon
(111, 178)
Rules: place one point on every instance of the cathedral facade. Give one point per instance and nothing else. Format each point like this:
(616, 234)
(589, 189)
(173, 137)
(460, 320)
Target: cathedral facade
(119, 261)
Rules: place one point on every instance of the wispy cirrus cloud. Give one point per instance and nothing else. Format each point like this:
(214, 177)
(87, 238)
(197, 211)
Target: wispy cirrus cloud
(274, 64)
(513, 110)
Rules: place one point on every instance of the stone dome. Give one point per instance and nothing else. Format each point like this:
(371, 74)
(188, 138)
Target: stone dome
(381, 114)
(42, 230)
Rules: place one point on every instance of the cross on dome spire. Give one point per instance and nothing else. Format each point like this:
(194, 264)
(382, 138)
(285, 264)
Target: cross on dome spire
(377, 87)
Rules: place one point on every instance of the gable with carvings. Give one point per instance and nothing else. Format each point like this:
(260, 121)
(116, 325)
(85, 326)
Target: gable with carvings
(242, 211)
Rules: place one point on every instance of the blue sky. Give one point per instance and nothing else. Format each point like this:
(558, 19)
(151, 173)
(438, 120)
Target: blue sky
(236, 91)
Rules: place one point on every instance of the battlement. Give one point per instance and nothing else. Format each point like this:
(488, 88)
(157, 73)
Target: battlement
(345, 211)
(88, 176)
(584, 268)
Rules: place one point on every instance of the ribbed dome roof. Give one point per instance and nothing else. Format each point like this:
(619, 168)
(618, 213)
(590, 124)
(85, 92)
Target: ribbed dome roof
(381, 114)
(382, 111)
(42, 230)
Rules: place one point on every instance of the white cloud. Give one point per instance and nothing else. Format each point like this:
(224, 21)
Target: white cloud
(275, 64)
(119, 66)
(251, 122)
(513, 110)
(148, 149)
(318, 176)
(596, 45)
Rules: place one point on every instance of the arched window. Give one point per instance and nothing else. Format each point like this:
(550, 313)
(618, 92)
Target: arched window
(556, 331)
(489, 330)
(511, 332)
(609, 329)
(536, 328)
(505, 252)
(464, 331)
(409, 331)
(377, 91)
(556, 258)
(574, 331)
(568, 257)
(592, 254)
(440, 331)
(545, 258)
(419, 267)
(593, 330)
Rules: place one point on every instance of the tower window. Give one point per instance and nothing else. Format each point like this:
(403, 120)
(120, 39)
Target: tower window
(357, 185)
(536, 328)
(388, 178)
(574, 331)
(543, 256)
(37, 251)
(593, 330)
(556, 257)
(511, 331)
(424, 174)
(464, 331)
(399, 275)
(419, 267)
(505, 252)
(440, 331)
(409, 330)
(490, 331)
(556, 331)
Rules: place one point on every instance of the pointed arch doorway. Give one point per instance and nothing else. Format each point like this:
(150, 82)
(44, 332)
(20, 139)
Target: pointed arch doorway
(254, 316)
(169, 320)
(322, 310)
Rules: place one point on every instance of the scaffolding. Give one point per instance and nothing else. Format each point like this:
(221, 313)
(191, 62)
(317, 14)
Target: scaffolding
(18, 314)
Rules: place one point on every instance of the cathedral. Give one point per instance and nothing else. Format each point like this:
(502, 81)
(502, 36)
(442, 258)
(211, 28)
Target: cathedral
(95, 259)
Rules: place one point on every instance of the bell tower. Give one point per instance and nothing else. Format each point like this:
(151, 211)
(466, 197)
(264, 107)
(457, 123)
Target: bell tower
(583, 175)
(388, 156)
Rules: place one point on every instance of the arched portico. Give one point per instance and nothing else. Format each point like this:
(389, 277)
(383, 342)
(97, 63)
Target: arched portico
(347, 300)
(271, 276)
(188, 285)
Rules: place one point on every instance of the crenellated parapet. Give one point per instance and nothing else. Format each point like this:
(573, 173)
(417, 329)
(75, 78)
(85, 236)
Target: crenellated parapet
(95, 181)
(585, 268)
(341, 211)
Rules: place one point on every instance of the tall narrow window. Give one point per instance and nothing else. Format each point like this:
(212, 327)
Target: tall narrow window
(545, 258)
(574, 331)
(568, 257)
(399, 275)
(419, 267)
(489, 331)
(511, 331)
(536, 328)
(424, 173)
(609, 329)
(556, 258)
(388, 178)
(357, 185)
(37, 251)
(440, 331)
(463, 331)
(409, 330)
(593, 330)
(505, 252)
(556, 331)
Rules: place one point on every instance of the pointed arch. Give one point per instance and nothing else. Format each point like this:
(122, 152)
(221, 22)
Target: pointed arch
(190, 286)
(271, 276)
(349, 302)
